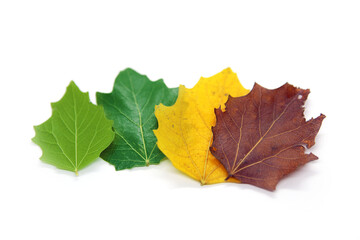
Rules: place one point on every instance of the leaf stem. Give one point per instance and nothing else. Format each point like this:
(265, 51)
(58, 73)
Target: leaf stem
(227, 178)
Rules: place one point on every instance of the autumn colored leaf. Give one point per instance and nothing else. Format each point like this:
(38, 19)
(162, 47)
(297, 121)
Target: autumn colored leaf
(131, 106)
(76, 133)
(260, 137)
(184, 134)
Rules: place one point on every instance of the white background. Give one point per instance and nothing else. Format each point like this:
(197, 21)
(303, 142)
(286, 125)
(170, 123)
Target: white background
(45, 44)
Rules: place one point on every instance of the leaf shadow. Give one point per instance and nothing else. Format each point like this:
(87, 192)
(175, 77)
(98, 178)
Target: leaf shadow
(89, 170)
(297, 181)
(180, 180)
(176, 178)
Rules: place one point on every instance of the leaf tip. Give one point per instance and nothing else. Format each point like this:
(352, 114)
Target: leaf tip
(72, 85)
(227, 70)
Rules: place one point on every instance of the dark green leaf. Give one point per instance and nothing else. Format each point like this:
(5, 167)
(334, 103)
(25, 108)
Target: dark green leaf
(131, 106)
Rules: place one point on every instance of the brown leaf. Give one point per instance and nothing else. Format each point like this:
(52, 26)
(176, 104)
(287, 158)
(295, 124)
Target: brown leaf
(260, 137)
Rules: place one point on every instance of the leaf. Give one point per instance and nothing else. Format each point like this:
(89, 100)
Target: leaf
(75, 134)
(260, 137)
(184, 134)
(131, 106)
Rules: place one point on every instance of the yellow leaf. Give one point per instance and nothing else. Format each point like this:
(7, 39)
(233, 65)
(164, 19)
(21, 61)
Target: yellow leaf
(184, 134)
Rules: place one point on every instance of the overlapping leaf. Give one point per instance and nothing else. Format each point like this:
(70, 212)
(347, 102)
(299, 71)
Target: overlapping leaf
(76, 133)
(258, 139)
(131, 106)
(261, 137)
(184, 134)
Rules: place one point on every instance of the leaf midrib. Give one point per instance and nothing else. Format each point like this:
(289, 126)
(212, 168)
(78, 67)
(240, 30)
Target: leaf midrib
(140, 123)
(75, 134)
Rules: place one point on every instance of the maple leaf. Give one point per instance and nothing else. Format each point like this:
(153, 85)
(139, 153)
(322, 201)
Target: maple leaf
(184, 134)
(260, 137)
(75, 134)
(131, 106)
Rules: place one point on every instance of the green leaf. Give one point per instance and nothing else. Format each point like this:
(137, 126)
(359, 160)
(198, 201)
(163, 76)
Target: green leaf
(75, 134)
(131, 106)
